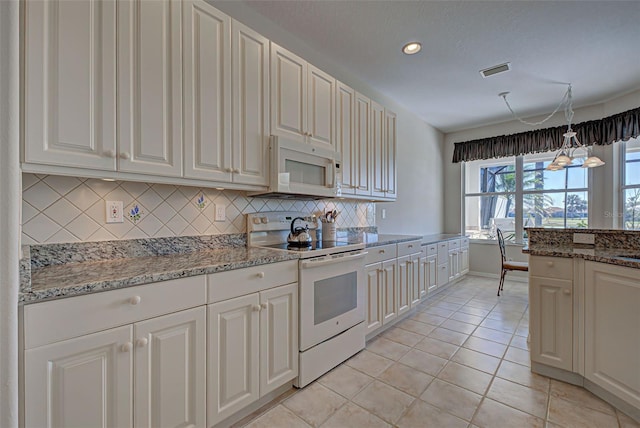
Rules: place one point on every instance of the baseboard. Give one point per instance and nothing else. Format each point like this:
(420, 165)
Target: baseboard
(496, 276)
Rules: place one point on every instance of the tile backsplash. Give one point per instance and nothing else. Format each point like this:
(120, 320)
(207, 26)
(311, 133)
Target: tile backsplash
(59, 209)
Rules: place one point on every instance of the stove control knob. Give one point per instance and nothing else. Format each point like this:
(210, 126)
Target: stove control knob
(264, 220)
(256, 220)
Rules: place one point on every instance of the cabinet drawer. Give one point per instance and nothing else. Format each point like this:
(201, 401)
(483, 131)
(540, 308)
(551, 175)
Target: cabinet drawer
(464, 242)
(57, 320)
(551, 267)
(443, 252)
(381, 253)
(454, 244)
(406, 248)
(432, 249)
(238, 282)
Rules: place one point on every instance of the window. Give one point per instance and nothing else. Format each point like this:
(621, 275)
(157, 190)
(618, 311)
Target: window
(631, 184)
(513, 193)
(490, 198)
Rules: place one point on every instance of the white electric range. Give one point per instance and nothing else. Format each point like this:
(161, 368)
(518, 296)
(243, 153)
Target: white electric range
(331, 285)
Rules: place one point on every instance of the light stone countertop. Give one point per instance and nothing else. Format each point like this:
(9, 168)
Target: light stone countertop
(73, 279)
(615, 256)
(376, 240)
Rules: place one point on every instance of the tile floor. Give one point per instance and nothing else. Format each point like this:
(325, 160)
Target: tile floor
(460, 361)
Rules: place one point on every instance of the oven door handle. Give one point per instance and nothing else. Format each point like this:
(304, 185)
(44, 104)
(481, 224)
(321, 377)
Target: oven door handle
(331, 261)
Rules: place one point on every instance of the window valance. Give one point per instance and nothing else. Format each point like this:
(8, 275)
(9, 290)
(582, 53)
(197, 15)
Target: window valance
(619, 127)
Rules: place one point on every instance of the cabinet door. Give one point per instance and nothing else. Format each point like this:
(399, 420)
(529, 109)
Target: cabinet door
(405, 276)
(612, 320)
(442, 274)
(170, 370)
(207, 87)
(432, 281)
(278, 337)
(288, 94)
(70, 83)
(416, 280)
(150, 87)
(379, 182)
(345, 141)
(464, 260)
(551, 321)
(81, 382)
(375, 297)
(232, 356)
(390, 291)
(424, 276)
(362, 150)
(320, 108)
(390, 172)
(453, 265)
(250, 103)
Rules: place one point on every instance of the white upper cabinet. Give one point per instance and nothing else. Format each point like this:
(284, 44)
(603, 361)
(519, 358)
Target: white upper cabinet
(70, 83)
(207, 88)
(150, 87)
(302, 100)
(250, 83)
(378, 150)
(320, 113)
(390, 171)
(383, 147)
(362, 150)
(288, 94)
(345, 136)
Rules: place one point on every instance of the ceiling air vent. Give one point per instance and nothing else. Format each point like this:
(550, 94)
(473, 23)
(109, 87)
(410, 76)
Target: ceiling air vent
(495, 69)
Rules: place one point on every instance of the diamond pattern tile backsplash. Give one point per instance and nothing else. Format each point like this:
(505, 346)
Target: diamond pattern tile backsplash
(59, 209)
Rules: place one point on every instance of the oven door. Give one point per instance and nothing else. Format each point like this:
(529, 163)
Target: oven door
(331, 296)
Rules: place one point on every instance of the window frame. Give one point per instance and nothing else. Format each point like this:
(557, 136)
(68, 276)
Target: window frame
(620, 220)
(519, 193)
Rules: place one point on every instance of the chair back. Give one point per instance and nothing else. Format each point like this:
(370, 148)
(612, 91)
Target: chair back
(503, 253)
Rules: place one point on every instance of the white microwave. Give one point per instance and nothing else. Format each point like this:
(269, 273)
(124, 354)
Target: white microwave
(302, 171)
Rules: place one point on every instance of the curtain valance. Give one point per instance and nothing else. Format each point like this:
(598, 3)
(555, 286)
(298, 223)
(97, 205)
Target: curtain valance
(619, 127)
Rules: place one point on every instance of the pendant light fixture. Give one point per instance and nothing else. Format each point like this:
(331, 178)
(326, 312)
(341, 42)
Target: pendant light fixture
(570, 143)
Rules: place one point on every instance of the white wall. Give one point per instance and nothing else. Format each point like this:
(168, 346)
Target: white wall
(419, 206)
(604, 179)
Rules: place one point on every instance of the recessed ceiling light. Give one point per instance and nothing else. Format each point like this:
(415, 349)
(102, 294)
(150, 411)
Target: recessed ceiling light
(412, 48)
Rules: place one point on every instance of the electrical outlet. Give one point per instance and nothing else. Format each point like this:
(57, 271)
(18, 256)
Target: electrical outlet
(221, 214)
(584, 238)
(114, 212)
(383, 213)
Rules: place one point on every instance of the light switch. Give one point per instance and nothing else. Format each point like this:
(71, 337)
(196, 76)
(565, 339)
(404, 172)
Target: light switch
(383, 213)
(221, 214)
(114, 212)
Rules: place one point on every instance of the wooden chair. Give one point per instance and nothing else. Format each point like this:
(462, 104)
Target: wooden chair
(508, 265)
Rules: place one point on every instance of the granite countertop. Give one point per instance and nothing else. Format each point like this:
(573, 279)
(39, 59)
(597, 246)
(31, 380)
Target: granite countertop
(621, 257)
(71, 279)
(438, 237)
(376, 240)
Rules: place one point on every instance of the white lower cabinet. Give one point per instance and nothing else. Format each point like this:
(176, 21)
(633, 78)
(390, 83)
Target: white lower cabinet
(408, 282)
(551, 321)
(128, 357)
(150, 373)
(612, 320)
(170, 370)
(253, 348)
(81, 382)
(374, 297)
(551, 311)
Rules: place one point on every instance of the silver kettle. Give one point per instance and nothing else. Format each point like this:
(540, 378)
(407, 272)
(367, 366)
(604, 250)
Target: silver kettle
(299, 236)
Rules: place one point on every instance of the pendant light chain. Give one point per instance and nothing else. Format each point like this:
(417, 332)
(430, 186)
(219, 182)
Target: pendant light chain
(565, 99)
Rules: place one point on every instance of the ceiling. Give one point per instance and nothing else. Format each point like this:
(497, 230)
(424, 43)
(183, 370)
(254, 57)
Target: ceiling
(591, 44)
